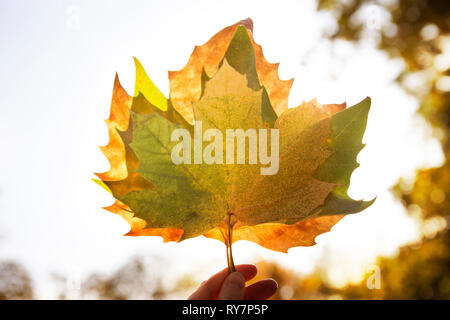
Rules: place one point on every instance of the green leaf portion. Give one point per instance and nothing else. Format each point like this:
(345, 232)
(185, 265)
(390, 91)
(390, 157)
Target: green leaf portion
(292, 194)
(241, 56)
(152, 143)
(347, 128)
(228, 103)
(148, 89)
(180, 199)
(268, 114)
(141, 105)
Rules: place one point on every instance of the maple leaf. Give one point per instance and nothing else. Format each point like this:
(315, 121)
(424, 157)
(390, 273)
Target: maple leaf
(227, 86)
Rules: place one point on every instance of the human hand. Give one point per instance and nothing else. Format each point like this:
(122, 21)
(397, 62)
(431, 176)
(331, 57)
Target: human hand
(225, 286)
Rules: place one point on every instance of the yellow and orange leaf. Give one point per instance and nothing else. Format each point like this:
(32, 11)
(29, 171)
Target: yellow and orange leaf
(228, 84)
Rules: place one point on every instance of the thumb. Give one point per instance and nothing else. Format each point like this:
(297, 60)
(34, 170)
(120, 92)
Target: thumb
(233, 287)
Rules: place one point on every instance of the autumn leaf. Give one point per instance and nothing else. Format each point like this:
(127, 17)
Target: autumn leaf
(185, 84)
(281, 185)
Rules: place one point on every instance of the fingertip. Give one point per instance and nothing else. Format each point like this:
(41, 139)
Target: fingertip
(261, 290)
(249, 271)
(269, 285)
(273, 284)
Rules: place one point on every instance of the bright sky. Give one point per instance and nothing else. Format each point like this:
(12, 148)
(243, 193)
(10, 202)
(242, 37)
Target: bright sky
(58, 63)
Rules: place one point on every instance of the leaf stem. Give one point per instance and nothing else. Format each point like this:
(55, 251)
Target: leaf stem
(229, 242)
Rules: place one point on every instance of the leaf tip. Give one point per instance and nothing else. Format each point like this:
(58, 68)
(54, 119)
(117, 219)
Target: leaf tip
(248, 23)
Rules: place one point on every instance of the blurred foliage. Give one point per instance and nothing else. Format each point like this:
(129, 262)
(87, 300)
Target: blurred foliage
(294, 286)
(132, 281)
(417, 31)
(141, 279)
(420, 271)
(15, 283)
